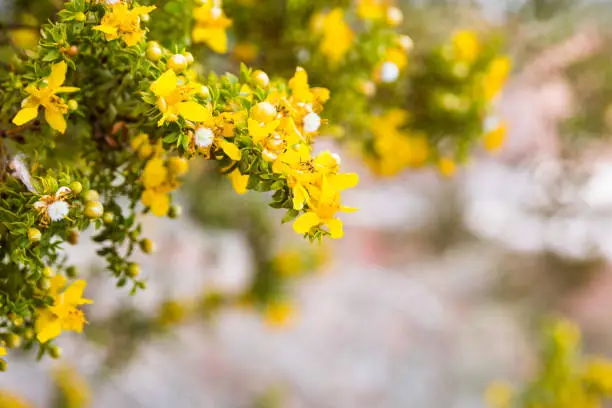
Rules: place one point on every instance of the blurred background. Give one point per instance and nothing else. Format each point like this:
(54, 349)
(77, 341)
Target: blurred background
(439, 286)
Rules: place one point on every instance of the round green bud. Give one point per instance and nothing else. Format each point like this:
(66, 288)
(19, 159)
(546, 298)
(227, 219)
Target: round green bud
(204, 92)
(175, 211)
(133, 270)
(12, 340)
(189, 57)
(71, 271)
(48, 272)
(147, 246)
(80, 16)
(94, 210)
(34, 234)
(91, 195)
(76, 188)
(154, 51)
(260, 79)
(28, 334)
(55, 352)
(43, 284)
(73, 105)
(177, 62)
(108, 217)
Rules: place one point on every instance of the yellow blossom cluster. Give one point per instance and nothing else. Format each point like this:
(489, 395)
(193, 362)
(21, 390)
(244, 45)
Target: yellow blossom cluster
(337, 37)
(160, 176)
(566, 378)
(211, 25)
(394, 148)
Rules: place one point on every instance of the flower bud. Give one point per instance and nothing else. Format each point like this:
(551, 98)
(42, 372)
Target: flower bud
(133, 270)
(175, 211)
(108, 217)
(189, 58)
(3, 365)
(260, 79)
(93, 210)
(177, 62)
(147, 246)
(73, 105)
(34, 234)
(48, 272)
(43, 284)
(178, 166)
(72, 51)
(76, 188)
(73, 237)
(154, 51)
(71, 271)
(263, 112)
(91, 195)
(394, 16)
(80, 16)
(55, 352)
(204, 92)
(12, 340)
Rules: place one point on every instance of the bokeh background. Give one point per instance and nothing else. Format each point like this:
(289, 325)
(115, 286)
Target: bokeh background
(438, 287)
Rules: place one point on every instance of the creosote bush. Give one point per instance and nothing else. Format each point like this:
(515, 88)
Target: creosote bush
(99, 125)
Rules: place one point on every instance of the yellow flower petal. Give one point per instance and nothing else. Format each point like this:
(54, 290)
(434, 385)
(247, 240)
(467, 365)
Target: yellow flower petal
(155, 173)
(58, 282)
(25, 115)
(305, 222)
(47, 326)
(342, 181)
(73, 295)
(67, 89)
(165, 84)
(140, 10)
(193, 111)
(2, 351)
(56, 120)
(106, 29)
(160, 205)
(239, 181)
(230, 149)
(300, 195)
(58, 75)
(334, 226)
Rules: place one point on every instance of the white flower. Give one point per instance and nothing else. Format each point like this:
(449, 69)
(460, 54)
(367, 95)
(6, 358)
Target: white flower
(389, 72)
(58, 210)
(54, 207)
(312, 122)
(204, 137)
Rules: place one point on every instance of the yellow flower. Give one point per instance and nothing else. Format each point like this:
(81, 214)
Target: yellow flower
(155, 173)
(371, 9)
(322, 210)
(279, 314)
(2, 351)
(337, 38)
(498, 395)
(447, 167)
(64, 313)
(73, 387)
(46, 96)
(172, 100)
(599, 373)
(157, 200)
(466, 46)
(494, 139)
(121, 21)
(9, 400)
(210, 27)
(245, 52)
(288, 262)
(239, 181)
(159, 182)
(495, 77)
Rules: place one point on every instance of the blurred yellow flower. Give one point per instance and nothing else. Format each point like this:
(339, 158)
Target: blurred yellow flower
(245, 52)
(495, 77)
(121, 21)
(279, 314)
(210, 27)
(466, 46)
(494, 139)
(337, 37)
(447, 167)
(10, 400)
(598, 373)
(498, 395)
(73, 387)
